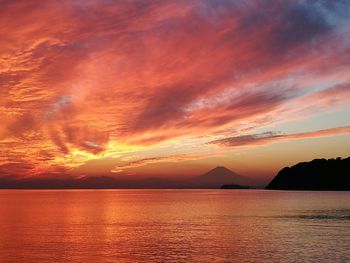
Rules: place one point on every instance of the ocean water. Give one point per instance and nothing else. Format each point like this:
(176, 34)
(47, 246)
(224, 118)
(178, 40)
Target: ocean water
(174, 226)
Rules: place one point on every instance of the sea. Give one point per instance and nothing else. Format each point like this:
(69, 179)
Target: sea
(174, 226)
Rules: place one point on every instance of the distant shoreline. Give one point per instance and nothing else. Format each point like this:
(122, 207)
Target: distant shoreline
(316, 175)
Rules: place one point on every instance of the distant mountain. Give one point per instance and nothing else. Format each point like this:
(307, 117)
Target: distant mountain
(213, 179)
(217, 177)
(319, 174)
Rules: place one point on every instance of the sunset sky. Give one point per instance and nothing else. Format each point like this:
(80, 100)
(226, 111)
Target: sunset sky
(172, 88)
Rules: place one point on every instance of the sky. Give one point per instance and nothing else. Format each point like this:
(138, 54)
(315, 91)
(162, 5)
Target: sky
(172, 88)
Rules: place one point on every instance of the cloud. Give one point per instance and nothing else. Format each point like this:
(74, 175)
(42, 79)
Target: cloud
(146, 161)
(80, 77)
(57, 140)
(22, 124)
(330, 97)
(88, 138)
(272, 137)
(269, 44)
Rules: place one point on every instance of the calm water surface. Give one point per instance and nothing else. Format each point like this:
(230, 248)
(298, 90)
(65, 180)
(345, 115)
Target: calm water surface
(174, 226)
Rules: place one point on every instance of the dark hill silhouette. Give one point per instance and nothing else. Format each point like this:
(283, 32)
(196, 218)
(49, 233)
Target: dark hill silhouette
(213, 179)
(319, 174)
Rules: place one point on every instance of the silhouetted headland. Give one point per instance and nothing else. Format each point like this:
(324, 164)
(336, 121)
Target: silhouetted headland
(319, 174)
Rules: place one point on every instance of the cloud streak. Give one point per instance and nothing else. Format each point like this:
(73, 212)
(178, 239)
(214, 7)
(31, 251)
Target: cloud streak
(272, 137)
(154, 160)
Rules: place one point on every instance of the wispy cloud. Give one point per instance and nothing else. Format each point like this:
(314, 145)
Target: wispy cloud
(152, 160)
(271, 137)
